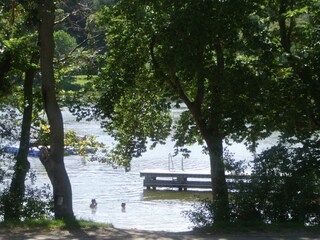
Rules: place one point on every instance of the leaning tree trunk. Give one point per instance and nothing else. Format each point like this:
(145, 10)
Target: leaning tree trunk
(209, 130)
(12, 208)
(53, 159)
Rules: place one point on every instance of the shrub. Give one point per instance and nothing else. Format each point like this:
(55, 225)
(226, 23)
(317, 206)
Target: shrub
(37, 201)
(202, 213)
(286, 183)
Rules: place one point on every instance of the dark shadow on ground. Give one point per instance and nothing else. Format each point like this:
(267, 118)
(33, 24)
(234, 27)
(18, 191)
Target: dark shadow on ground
(109, 233)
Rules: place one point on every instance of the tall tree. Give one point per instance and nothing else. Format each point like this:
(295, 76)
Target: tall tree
(193, 52)
(23, 67)
(295, 28)
(53, 159)
(22, 165)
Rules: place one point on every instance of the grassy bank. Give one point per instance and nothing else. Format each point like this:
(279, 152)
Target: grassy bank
(45, 223)
(74, 83)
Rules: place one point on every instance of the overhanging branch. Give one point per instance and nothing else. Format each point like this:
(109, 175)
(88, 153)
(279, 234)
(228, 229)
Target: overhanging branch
(171, 79)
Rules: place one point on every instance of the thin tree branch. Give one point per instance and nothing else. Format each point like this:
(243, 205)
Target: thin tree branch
(66, 17)
(78, 46)
(172, 79)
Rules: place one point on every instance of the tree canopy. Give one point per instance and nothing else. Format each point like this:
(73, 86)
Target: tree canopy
(183, 51)
(236, 65)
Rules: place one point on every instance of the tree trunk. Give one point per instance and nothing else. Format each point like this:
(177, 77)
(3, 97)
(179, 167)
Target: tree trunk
(218, 179)
(212, 134)
(209, 130)
(214, 140)
(53, 159)
(12, 209)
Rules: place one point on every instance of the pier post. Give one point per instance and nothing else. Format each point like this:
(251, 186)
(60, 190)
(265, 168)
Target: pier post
(182, 180)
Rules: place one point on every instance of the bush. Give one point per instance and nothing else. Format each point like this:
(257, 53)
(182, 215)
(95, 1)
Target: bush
(202, 213)
(286, 183)
(37, 203)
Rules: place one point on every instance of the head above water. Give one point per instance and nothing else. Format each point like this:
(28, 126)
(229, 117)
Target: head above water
(93, 204)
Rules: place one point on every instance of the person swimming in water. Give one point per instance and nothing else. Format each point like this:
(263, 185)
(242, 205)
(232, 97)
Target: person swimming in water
(123, 207)
(93, 204)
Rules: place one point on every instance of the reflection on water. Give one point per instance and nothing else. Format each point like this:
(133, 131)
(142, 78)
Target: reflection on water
(148, 210)
(163, 194)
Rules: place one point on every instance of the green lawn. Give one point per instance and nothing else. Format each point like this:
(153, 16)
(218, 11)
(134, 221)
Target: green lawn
(46, 223)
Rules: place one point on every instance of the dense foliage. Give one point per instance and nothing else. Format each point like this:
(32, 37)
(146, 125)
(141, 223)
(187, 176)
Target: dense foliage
(285, 182)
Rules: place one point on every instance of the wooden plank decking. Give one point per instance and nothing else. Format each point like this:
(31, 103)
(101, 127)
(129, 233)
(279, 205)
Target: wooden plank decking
(182, 180)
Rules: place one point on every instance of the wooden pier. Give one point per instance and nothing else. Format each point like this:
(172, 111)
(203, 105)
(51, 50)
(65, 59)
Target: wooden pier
(183, 180)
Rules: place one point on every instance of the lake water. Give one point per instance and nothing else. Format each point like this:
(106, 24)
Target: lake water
(145, 209)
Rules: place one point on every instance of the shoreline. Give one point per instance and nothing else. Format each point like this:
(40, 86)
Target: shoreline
(37, 233)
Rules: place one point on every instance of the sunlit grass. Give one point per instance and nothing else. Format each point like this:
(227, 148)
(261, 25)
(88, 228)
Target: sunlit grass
(47, 223)
(82, 79)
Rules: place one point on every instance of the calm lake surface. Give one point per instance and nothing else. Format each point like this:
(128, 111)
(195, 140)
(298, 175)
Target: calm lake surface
(145, 209)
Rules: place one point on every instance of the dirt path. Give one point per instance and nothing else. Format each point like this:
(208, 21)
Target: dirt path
(117, 234)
